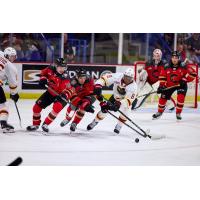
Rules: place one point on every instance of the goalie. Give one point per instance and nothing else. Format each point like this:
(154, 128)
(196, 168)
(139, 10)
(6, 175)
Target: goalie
(148, 79)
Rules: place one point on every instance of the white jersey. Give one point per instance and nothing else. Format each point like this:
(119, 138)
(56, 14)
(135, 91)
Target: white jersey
(8, 72)
(121, 91)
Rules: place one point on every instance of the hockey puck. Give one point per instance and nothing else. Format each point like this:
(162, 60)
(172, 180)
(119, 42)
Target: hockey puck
(137, 140)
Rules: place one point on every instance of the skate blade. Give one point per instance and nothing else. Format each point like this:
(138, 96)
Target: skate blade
(156, 118)
(8, 131)
(46, 133)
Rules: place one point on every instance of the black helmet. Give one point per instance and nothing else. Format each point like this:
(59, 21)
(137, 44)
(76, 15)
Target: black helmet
(61, 62)
(81, 72)
(175, 53)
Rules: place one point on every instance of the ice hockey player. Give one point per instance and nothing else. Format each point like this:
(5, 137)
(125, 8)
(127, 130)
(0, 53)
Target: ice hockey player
(82, 103)
(124, 93)
(8, 73)
(56, 78)
(148, 78)
(174, 77)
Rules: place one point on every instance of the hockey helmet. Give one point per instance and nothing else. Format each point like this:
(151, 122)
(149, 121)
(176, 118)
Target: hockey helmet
(81, 72)
(9, 51)
(129, 75)
(61, 62)
(175, 53)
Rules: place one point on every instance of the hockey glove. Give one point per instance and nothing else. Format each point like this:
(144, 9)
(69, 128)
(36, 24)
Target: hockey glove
(116, 106)
(14, 97)
(161, 89)
(104, 107)
(43, 82)
(98, 90)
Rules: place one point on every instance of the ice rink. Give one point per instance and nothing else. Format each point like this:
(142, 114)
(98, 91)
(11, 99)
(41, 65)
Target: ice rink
(102, 146)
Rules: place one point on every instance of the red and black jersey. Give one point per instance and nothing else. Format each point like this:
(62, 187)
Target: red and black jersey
(172, 75)
(83, 90)
(153, 71)
(58, 82)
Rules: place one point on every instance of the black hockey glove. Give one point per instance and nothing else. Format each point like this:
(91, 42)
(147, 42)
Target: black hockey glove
(116, 106)
(43, 82)
(161, 89)
(98, 90)
(14, 97)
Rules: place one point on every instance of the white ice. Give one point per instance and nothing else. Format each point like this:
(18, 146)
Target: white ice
(101, 146)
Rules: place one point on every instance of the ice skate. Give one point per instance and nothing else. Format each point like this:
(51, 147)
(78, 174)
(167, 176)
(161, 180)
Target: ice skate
(73, 127)
(117, 128)
(32, 128)
(156, 115)
(65, 122)
(92, 125)
(45, 128)
(178, 116)
(7, 128)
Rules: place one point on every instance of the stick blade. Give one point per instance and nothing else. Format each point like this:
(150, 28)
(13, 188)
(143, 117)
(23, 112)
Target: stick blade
(157, 137)
(16, 162)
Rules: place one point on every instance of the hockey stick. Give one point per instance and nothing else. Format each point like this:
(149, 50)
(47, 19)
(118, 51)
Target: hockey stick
(16, 162)
(127, 124)
(156, 91)
(20, 121)
(143, 100)
(52, 90)
(153, 137)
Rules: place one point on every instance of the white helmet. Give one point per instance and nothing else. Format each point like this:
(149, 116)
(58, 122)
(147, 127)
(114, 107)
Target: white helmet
(157, 54)
(129, 72)
(9, 51)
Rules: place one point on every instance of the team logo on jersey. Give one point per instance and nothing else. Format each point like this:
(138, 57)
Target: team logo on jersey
(155, 74)
(121, 90)
(31, 76)
(174, 78)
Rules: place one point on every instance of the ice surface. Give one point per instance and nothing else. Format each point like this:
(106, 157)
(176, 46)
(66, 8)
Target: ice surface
(102, 146)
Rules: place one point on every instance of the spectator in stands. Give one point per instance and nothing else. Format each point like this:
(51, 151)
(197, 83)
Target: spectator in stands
(68, 50)
(31, 48)
(169, 39)
(182, 52)
(193, 44)
(15, 41)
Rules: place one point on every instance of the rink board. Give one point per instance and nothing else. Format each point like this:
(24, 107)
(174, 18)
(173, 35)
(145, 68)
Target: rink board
(28, 74)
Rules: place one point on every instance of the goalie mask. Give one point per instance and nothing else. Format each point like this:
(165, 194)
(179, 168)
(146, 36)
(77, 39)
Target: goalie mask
(157, 55)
